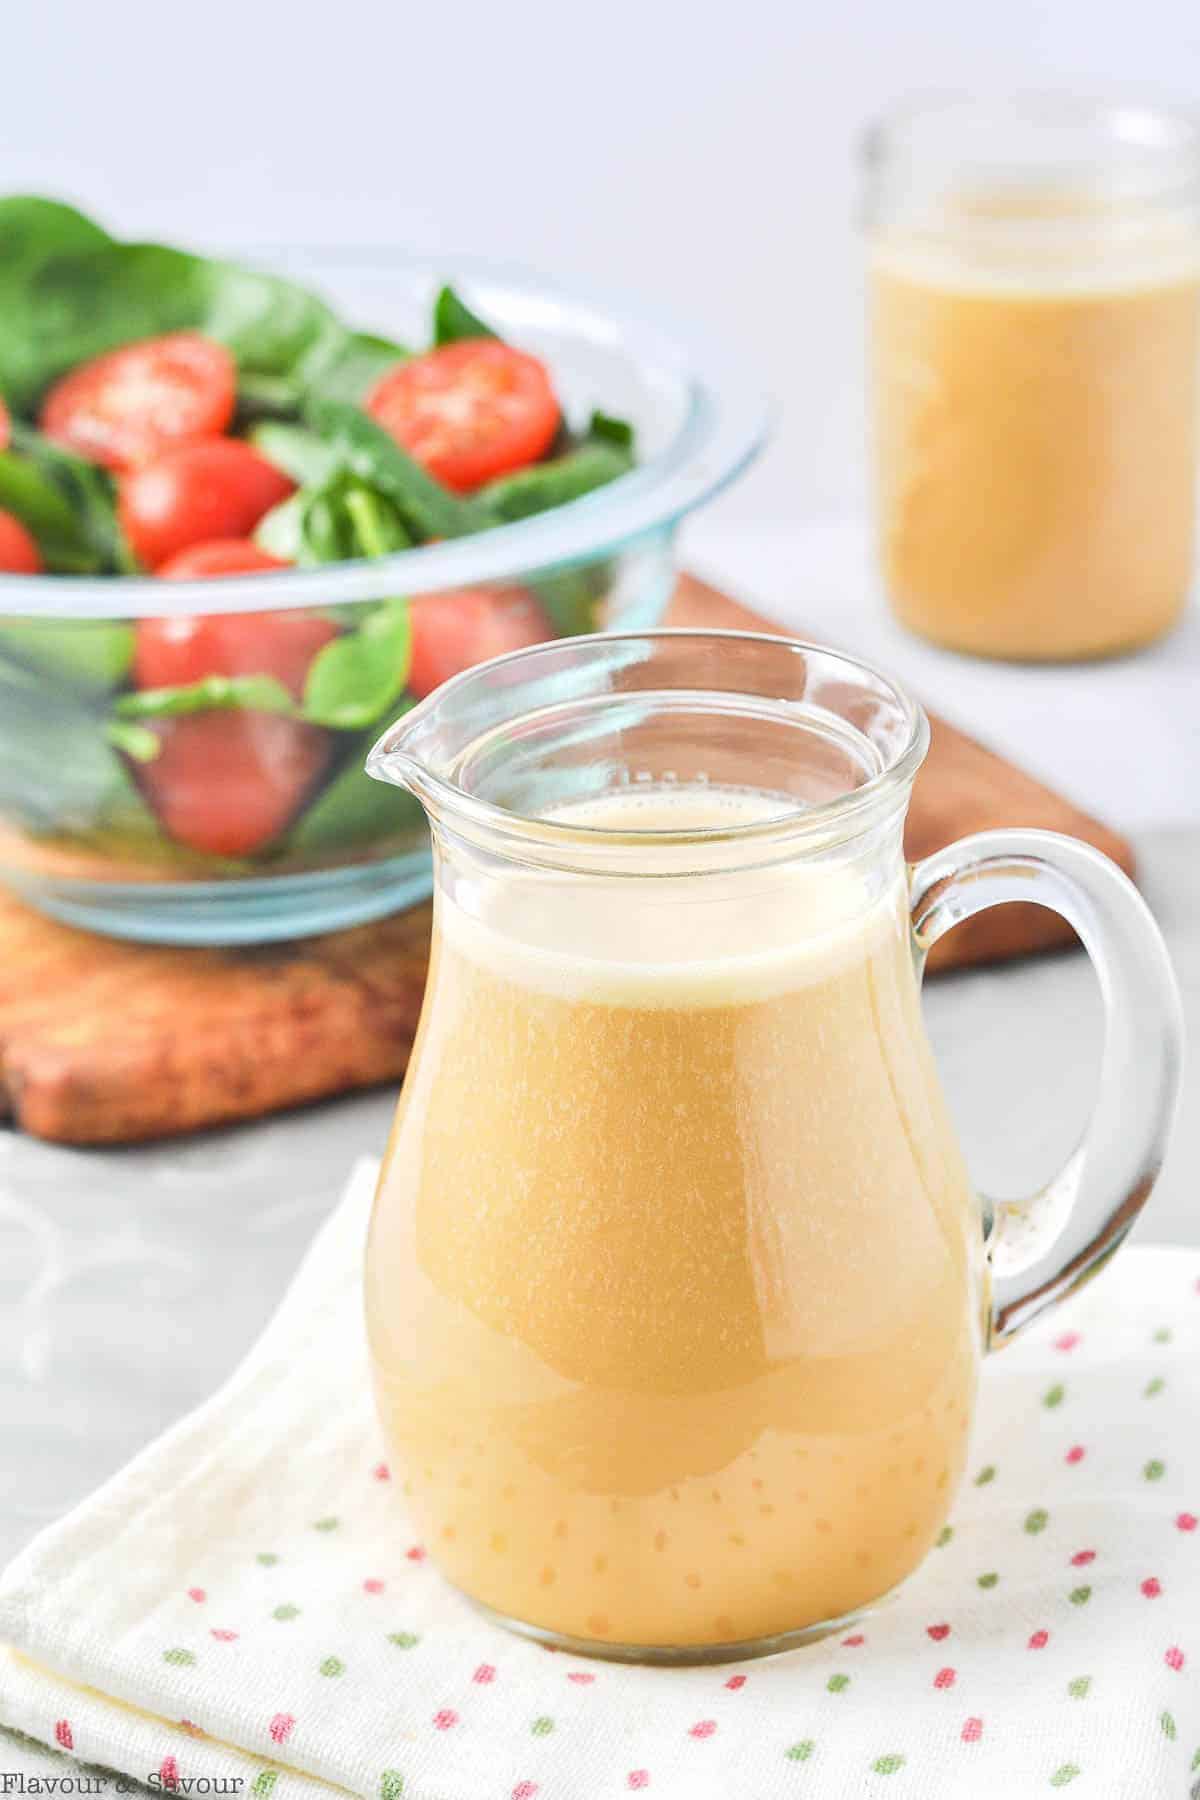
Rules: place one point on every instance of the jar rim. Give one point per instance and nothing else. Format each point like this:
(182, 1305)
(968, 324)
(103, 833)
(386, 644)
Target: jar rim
(403, 755)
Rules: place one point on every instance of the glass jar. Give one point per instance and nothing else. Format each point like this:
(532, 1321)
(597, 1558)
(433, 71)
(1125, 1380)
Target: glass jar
(1034, 280)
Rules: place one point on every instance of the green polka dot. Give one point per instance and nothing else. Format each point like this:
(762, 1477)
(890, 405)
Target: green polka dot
(1078, 1689)
(1163, 1335)
(181, 1658)
(404, 1640)
(1168, 1725)
(887, 1765)
(264, 1783)
(391, 1785)
(1196, 1762)
(1154, 1387)
(332, 1666)
(1054, 1396)
(267, 1558)
(944, 1536)
(284, 1613)
(1037, 1521)
(1062, 1776)
(1079, 1596)
(986, 1474)
(542, 1727)
(1154, 1470)
(803, 1750)
(837, 1684)
(989, 1580)
(330, 1524)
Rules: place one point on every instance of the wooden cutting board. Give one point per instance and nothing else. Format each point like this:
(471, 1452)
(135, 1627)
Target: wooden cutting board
(106, 1042)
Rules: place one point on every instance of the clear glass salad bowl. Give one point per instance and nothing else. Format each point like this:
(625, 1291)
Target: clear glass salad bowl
(80, 836)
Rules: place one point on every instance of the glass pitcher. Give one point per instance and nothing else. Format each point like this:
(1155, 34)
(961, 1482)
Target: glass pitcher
(677, 1287)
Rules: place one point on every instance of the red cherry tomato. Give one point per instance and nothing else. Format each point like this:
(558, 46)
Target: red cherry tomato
(124, 407)
(174, 652)
(469, 411)
(220, 556)
(455, 630)
(227, 782)
(192, 493)
(19, 554)
(5, 427)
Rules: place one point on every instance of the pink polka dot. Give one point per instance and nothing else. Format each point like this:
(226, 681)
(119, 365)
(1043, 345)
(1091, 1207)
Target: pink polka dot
(381, 1472)
(416, 1554)
(638, 1778)
(525, 1790)
(63, 1734)
(223, 1636)
(1067, 1341)
(1082, 1557)
(938, 1632)
(198, 1595)
(281, 1727)
(1076, 1453)
(373, 1585)
(852, 1643)
(1187, 1521)
(484, 1673)
(945, 1678)
(735, 1682)
(1174, 1658)
(445, 1719)
(1039, 1640)
(581, 1677)
(972, 1731)
(168, 1773)
(703, 1728)
(1152, 1587)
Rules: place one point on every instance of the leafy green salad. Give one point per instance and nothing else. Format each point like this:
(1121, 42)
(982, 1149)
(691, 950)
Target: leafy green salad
(171, 414)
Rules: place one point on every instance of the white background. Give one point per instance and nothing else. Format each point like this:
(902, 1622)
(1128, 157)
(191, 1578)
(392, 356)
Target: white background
(702, 154)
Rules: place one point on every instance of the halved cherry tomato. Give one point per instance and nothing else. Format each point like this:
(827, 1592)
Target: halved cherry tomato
(227, 782)
(19, 554)
(455, 630)
(124, 407)
(176, 652)
(5, 427)
(468, 411)
(192, 493)
(220, 556)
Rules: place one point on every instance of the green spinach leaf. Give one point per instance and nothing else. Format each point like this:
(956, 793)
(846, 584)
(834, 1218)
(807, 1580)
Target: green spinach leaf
(88, 655)
(545, 485)
(57, 772)
(338, 519)
(349, 368)
(260, 693)
(299, 452)
(96, 541)
(357, 809)
(453, 320)
(76, 304)
(354, 679)
(426, 508)
(604, 428)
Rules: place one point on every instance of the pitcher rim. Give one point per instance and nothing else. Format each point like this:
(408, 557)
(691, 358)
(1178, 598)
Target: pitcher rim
(388, 761)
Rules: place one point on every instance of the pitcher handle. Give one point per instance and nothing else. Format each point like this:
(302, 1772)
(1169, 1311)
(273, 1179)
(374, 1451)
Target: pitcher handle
(1043, 1247)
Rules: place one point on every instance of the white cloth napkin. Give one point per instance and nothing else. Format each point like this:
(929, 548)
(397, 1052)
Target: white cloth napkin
(245, 1603)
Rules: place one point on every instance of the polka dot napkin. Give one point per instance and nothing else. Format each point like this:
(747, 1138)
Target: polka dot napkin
(246, 1604)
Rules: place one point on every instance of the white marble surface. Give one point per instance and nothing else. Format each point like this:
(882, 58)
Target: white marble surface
(132, 1281)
